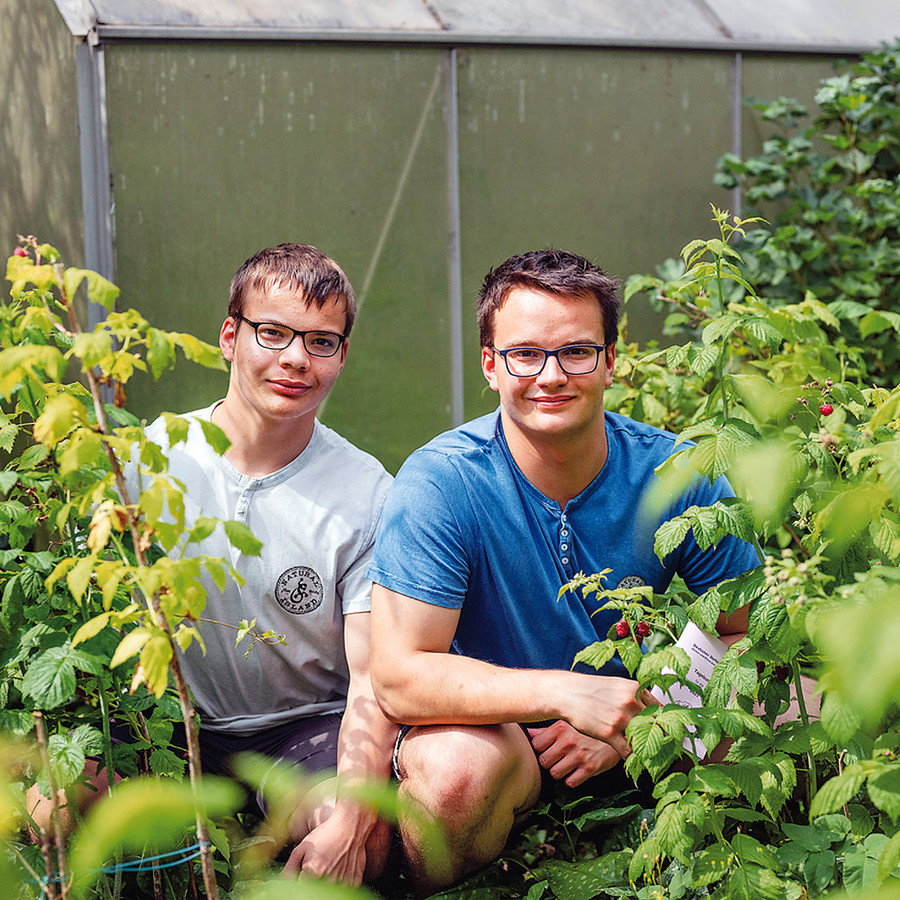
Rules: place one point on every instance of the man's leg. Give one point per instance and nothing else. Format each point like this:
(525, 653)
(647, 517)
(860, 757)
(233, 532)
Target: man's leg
(469, 783)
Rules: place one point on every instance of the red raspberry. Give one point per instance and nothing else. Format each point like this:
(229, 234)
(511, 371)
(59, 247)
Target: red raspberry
(826, 409)
(782, 673)
(760, 667)
(622, 628)
(20, 251)
(642, 629)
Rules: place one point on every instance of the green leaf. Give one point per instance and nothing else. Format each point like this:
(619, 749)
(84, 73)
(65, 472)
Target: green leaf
(877, 321)
(819, 870)
(884, 790)
(837, 791)
(50, 678)
(596, 655)
(160, 351)
(712, 864)
(242, 538)
(839, 719)
(66, 759)
(585, 880)
(890, 858)
(215, 437)
(142, 812)
(763, 331)
(79, 576)
(199, 352)
(60, 415)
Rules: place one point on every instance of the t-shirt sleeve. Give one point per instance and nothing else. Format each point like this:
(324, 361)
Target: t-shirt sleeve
(421, 550)
(354, 586)
(703, 569)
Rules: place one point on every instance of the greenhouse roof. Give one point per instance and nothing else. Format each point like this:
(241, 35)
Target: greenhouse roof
(804, 26)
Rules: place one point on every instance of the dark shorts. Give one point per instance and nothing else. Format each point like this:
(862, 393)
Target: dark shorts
(311, 743)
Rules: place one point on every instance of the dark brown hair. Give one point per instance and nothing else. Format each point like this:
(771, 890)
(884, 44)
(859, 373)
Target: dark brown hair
(556, 272)
(298, 267)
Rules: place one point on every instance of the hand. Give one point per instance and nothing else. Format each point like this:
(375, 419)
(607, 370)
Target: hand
(334, 849)
(567, 753)
(601, 707)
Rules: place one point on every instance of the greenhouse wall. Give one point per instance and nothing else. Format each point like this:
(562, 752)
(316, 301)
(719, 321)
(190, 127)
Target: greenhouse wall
(40, 180)
(417, 163)
(218, 149)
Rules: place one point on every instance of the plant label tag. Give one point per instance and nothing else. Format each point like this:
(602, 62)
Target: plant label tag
(705, 651)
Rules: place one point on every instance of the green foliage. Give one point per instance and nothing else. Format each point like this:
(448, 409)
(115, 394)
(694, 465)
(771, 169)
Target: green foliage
(97, 591)
(830, 190)
(785, 384)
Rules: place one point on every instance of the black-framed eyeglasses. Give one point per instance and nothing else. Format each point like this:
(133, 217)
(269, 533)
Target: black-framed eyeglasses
(279, 337)
(574, 359)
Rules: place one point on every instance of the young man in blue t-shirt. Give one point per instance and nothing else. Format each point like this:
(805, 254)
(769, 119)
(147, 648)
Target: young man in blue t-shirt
(471, 648)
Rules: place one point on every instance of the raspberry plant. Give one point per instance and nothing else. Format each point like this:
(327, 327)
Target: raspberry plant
(86, 587)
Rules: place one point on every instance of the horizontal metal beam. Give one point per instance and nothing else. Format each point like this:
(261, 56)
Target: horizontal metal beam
(449, 39)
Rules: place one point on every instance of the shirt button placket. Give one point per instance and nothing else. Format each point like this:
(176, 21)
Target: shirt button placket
(564, 539)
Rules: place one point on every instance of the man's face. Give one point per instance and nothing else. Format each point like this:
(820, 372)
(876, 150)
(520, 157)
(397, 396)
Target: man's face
(281, 384)
(551, 404)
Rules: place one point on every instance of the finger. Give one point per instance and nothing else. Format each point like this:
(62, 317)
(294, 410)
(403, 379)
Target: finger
(541, 741)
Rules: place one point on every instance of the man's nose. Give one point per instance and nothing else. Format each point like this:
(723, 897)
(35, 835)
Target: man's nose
(552, 373)
(295, 354)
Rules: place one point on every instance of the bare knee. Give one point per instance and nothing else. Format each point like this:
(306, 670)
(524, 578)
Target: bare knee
(470, 782)
(456, 771)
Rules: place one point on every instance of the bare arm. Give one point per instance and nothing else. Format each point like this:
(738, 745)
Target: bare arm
(337, 847)
(732, 628)
(417, 681)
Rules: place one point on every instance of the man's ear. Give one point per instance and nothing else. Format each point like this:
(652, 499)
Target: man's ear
(489, 367)
(610, 353)
(226, 338)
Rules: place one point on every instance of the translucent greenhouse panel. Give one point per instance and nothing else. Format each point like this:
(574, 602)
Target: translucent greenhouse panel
(768, 77)
(609, 153)
(40, 187)
(219, 150)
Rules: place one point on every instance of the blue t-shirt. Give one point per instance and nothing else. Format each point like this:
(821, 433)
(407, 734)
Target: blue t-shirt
(464, 529)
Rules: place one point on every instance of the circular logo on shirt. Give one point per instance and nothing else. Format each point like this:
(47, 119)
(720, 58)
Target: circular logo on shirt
(630, 581)
(299, 590)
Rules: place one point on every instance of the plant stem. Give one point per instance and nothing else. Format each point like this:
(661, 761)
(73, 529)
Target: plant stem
(110, 776)
(813, 786)
(55, 823)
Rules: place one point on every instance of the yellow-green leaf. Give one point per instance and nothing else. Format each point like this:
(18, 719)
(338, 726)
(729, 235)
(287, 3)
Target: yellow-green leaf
(131, 644)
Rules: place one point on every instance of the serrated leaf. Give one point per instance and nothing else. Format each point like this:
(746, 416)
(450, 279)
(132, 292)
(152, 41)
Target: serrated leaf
(50, 678)
(596, 655)
(67, 759)
(712, 864)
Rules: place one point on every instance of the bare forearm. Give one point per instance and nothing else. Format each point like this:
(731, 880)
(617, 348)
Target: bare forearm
(443, 688)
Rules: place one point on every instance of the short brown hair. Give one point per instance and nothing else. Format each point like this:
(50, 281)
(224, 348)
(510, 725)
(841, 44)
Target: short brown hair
(556, 272)
(299, 267)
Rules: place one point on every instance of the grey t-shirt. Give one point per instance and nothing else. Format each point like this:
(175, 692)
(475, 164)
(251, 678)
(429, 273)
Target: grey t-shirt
(317, 519)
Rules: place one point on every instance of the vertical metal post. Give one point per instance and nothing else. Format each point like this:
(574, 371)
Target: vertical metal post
(737, 106)
(454, 253)
(96, 190)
